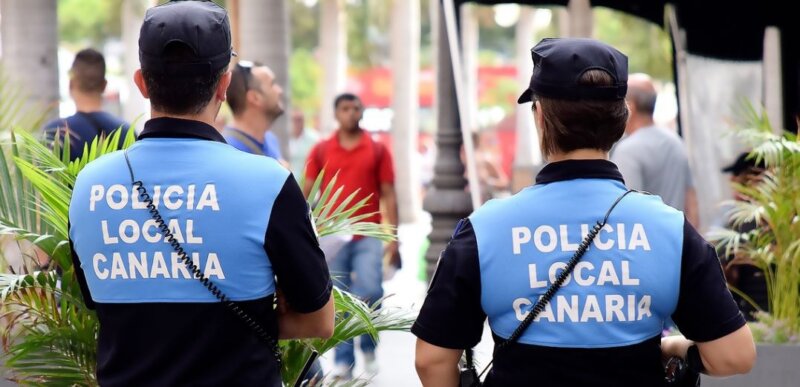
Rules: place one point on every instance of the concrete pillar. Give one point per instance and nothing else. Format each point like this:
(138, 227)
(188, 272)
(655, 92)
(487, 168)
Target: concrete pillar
(29, 32)
(773, 77)
(333, 51)
(470, 38)
(264, 35)
(135, 108)
(405, 104)
(527, 155)
(580, 18)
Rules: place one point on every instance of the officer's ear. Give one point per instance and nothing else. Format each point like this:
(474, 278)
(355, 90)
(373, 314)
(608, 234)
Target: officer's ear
(222, 87)
(138, 79)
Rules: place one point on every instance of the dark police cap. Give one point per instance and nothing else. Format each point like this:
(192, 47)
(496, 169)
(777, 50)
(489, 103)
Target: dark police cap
(202, 26)
(743, 163)
(558, 64)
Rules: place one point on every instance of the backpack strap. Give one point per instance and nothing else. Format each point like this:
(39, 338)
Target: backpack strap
(246, 140)
(98, 128)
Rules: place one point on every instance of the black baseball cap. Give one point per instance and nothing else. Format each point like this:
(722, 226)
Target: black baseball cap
(202, 26)
(558, 64)
(743, 163)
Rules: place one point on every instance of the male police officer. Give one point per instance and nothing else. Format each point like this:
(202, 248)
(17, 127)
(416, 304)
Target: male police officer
(241, 227)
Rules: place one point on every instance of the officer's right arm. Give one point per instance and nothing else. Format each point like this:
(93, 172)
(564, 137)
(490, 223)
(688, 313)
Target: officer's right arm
(707, 314)
(451, 319)
(305, 285)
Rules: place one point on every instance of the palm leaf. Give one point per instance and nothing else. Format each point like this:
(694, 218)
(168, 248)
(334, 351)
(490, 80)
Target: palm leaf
(353, 318)
(774, 205)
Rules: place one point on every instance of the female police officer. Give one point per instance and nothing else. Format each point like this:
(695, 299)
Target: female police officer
(645, 265)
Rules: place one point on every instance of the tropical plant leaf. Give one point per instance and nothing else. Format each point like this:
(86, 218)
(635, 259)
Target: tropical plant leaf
(773, 205)
(353, 318)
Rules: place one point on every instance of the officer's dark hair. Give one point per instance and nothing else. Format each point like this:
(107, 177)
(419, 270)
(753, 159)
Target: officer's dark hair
(582, 124)
(345, 97)
(180, 95)
(242, 80)
(643, 99)
(88, 71)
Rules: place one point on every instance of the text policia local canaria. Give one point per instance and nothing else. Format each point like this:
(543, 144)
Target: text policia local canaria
(133, 265)
(585, 307)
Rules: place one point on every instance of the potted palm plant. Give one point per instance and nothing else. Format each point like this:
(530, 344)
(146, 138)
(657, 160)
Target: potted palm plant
(47, 333)
(773, 246)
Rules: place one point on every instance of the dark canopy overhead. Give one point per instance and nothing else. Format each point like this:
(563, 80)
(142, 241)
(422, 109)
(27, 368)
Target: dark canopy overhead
(721, 29)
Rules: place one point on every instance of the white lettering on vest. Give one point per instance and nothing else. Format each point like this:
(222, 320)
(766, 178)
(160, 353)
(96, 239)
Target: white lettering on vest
(168, 202)
(520, 235)
(107, 240)
(101, 274)
(117, 190)
(95, 194)
(208, 198)
(552, 239)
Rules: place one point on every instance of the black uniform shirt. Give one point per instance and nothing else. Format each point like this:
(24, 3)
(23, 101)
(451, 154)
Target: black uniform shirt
(205, 344)
(452, 316)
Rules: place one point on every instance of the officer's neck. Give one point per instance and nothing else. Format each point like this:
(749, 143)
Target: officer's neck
(206, 116)
(578, 154)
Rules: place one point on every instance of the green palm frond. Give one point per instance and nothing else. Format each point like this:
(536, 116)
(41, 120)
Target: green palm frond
(773, 204)
(49, 335)
(353, 318)
(341, 219)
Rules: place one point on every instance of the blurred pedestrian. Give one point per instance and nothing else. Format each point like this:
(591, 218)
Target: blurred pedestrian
(87, 83)
(362, 165)
(300, 143)
(255, 100)
(652, 158)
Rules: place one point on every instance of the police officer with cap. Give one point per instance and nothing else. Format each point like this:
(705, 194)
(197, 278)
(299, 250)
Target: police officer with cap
(181, 243)
(576, 275)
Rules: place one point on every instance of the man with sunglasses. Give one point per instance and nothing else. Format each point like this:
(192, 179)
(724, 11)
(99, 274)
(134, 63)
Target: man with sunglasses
(255, 101)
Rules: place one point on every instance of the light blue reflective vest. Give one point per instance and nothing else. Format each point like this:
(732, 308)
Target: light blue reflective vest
(622, 290)
(217, 201)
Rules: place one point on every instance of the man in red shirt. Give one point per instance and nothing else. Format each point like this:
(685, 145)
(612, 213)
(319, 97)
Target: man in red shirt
(365, 165)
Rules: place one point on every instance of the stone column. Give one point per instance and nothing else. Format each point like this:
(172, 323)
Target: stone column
(447, 201)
